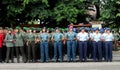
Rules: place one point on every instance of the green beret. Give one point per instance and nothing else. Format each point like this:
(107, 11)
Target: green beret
(17, 27)
(10, 29)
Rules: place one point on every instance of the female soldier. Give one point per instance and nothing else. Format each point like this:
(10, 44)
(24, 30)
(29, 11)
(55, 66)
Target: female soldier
(96, 39)
(9, 39)
(108, 38)
(83, 38)
(19, 45)
(71, 45)
(44, 49)
(31, 46)
(57, 38)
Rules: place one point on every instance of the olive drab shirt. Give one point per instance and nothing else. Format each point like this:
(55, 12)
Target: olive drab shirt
(7, 40)
(30, 37)
(25, 36)
(57, 36)
(19, 40)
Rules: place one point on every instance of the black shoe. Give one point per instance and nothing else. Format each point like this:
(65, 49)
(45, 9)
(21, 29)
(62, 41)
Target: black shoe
(18, 61)
(7, 61)
(12, 61)
(28, 61)
(0, 61)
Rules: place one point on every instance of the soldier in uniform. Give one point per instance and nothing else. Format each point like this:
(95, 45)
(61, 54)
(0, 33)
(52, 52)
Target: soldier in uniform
(97, 47)
(90, 43)
(9, 39)
(19, 43)
(51, 43)
(36, 43)
(25, 34)
(82, 38)
(44, 48)
(57, 37)
(103, 42)
(71, 45)
(31, 46)
(108, 38)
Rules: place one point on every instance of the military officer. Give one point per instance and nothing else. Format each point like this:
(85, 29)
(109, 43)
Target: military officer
(90, 43)
(82, 37)
(96, 38)
(9, 39)
(103, 42)
(57, 37)
(44, 48)
(71, 45)
(31, 46)
(108, 38)
(19, 43)
(36, 34)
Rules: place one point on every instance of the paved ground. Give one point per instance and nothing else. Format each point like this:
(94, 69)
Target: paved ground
(115, 65)
(62, 66)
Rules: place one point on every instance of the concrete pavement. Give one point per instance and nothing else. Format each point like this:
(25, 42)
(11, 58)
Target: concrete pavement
(62, 66)
(115, 65)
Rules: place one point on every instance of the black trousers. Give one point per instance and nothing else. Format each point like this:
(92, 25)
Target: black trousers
(18, 50)
(10, 53)
(4, 51)
(31, 51)
(0, 54)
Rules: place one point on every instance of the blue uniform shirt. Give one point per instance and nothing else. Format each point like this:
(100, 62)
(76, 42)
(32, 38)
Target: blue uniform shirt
(57, 36)
(70, 35)
(44, 36)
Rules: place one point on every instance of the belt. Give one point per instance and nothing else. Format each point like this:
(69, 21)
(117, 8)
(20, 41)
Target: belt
(96, 41)
(83, 41)
(57, 41)
(70, 40)
(108, 41)
(44, 41)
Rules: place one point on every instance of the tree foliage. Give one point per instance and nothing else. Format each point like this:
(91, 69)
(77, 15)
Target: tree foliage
(24, 11)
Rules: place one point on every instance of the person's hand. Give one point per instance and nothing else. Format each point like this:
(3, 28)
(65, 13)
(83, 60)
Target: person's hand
(27, 43)
(11, 40)
(92, 39)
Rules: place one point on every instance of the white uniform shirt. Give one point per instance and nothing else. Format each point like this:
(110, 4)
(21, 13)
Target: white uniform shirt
(103, 36)
(82, 36)
(91, 35)
(96, 37)
(108, 37)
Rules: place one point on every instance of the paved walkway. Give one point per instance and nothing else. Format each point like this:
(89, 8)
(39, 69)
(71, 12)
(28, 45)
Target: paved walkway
(115, 65)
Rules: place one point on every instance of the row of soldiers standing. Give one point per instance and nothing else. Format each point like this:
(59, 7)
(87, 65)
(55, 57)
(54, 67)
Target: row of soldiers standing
(93, 45)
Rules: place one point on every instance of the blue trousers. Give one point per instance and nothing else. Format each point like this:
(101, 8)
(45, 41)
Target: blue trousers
(90, 49)
(71, 50)
(103, 49)
(44, 51)
(97, 48)
(58, 51)
(83, 50)
(108, 50)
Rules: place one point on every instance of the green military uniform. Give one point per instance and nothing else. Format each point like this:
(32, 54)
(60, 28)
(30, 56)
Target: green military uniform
(31, 46)
(19, 40)
(9, 45)
(19, 43)
(7, 40)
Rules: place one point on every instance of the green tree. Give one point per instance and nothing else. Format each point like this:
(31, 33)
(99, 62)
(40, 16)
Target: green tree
(110, 13)
(13, 12)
